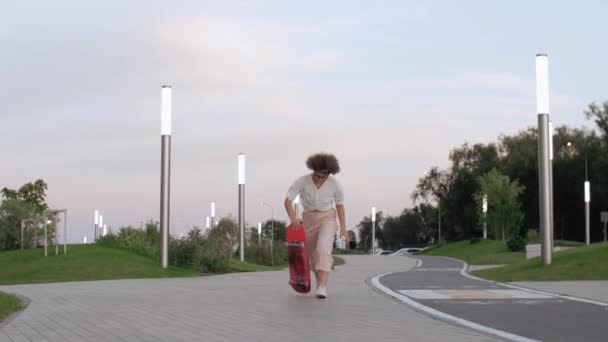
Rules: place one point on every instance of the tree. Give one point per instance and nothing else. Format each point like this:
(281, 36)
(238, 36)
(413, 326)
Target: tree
(600, 115)
(225, 237)
(365, 230)
(279, 230)
(19, 207)
(504, 214)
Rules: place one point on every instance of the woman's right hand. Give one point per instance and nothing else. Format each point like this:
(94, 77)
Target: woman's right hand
(295, 224)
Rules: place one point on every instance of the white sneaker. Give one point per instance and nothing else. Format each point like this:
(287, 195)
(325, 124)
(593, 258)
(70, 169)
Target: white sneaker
(321, 292)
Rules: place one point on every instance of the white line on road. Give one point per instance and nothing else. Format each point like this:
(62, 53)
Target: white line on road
(441, 315)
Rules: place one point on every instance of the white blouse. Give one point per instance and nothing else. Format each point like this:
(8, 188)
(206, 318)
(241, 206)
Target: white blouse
(325, 198)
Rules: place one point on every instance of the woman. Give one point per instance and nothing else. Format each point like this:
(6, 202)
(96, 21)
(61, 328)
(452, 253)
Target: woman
(322, 198)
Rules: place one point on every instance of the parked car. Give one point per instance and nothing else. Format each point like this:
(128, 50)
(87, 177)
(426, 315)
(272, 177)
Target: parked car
(407, 251)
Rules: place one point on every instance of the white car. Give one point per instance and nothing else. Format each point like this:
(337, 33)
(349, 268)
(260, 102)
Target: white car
(407, 251)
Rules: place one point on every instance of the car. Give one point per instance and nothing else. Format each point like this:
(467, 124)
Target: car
(407, 251)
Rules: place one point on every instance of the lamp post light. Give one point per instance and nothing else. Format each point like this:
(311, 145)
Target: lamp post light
(96, 223)
(373, 230)
(241, 161)
(271, 231)
(165, 173)
(212, 214)
(485, 217)
(259, 232)
(542, 109)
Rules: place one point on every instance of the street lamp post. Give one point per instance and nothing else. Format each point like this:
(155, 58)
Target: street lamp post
(271, 232)
(259, 233)
(485, 217)
(551, 199)
(587, 218)
(542, 106)
(165, 178)
(241, 161)
(96, 223)
(373, 230)
(212, 214)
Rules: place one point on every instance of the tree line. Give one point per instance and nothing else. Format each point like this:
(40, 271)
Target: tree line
(506, 172)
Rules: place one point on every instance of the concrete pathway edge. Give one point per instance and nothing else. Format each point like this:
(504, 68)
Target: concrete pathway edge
(375, 282)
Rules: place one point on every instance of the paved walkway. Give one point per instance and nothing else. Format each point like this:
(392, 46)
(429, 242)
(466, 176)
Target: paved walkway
(234, 307)
(438, 286)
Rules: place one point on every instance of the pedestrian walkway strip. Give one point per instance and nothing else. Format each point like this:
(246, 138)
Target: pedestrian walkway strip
(472, 294)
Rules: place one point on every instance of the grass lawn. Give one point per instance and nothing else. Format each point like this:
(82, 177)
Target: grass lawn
(338, 261)
(91, 262)
(83, 262)
(582, 263)
(8, 305)
(485, 252)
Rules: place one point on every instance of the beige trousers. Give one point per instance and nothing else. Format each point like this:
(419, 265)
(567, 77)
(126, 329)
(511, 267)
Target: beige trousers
(321, 230)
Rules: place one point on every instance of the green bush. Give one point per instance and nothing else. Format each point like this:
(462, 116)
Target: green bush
(260, 253)
(532, 236)
(142, 242)
(517, 244)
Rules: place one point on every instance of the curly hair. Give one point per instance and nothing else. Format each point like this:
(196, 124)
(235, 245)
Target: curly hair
(323, 161)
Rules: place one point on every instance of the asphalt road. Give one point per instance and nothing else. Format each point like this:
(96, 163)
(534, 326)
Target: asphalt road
(438, 283)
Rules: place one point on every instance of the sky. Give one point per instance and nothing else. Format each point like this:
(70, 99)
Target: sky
(388, 86)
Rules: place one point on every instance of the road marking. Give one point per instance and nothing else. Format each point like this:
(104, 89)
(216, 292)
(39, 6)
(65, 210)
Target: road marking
(576, 299)
(437, 270)
(418, 263)
(441, 315)
(472, 294)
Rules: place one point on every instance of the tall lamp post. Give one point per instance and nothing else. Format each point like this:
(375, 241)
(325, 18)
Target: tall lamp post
(551, 199)
(212, 214)
(271, 231)
(242, 205)
(542, 109)
(96, 223)
(373, 230)
(587, 218)
(485, 216)
(165, 171)
(259, 232)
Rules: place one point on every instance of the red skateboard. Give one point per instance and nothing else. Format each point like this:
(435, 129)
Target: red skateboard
(299, 270)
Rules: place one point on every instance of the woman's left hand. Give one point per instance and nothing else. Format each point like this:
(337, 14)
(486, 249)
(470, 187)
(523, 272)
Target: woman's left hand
(344, 235)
